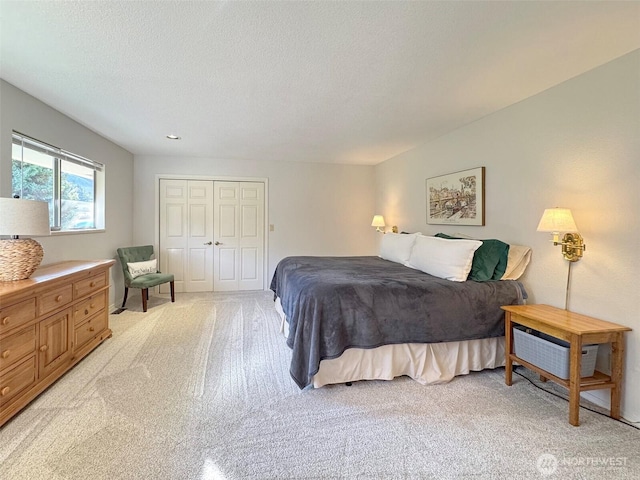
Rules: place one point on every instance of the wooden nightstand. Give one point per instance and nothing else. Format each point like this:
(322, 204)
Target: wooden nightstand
(578, 330)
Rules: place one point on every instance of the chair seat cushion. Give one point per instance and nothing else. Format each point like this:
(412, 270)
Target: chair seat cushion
(151, 280)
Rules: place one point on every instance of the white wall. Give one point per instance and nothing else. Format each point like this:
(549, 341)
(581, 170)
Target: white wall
(576, 145)
(316, 209)
(25, 114)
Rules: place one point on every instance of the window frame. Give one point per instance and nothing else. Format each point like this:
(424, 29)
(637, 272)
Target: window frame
(59, 155)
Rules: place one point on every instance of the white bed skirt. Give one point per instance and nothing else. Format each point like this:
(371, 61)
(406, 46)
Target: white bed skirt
(425, 363)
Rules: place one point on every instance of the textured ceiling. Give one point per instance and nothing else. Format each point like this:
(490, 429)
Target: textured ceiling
(341, 82)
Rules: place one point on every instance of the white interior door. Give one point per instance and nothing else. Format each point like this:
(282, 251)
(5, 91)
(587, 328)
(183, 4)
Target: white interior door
(186, 233)
(239, 236)
(200, 237)
(173, 231)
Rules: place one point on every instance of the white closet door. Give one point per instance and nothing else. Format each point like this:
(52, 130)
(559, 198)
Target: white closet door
(200, 237)
(186, 233)
(173, 231)
(239, 236)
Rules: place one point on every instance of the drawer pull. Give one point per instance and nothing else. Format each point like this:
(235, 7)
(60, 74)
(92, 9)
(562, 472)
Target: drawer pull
(58, 298)
(5, 321)
(4, 391)
(44, 348)
(91, 329)
(92, 306)
(92, 284)
(86, 312)
(6, 353)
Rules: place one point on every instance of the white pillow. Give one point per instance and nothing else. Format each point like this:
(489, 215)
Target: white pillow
(142, 268)
(396, 247)
(448, 259)
(519, 258)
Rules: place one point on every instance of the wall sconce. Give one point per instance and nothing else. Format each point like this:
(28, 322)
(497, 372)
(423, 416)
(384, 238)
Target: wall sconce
(558, 220)
(19, 257)
(378, 222)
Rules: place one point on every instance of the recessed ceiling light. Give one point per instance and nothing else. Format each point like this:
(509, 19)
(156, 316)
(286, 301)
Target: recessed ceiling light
(173, 137)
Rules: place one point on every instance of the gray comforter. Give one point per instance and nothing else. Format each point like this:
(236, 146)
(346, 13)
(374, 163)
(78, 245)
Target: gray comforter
(335, 303)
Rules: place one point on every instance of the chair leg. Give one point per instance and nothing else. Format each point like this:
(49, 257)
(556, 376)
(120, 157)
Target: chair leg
(173, 291)
(126, 292)
(145, 295)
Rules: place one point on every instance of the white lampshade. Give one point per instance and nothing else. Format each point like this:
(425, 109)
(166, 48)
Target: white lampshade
(378, 221)
(557, 220)
(24, 217)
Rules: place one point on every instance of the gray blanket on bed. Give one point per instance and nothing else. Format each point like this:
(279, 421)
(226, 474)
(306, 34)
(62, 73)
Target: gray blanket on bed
(335, 303)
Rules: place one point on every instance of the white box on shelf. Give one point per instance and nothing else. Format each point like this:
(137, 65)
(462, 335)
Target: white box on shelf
(551, 354)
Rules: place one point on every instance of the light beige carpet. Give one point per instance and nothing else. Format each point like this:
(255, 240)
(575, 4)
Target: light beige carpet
(200, 389)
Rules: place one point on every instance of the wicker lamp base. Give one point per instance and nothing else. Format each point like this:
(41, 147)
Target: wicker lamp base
(19, 258)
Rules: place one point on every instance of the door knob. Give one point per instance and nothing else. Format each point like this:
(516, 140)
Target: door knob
(217, 243)
(208, 243)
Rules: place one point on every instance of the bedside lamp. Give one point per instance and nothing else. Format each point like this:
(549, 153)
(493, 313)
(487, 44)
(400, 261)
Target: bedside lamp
(378, 222)
(556, 220)
(19, 257)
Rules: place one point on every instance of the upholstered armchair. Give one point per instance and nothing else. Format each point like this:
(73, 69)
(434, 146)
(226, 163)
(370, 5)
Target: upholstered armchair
(142, 272)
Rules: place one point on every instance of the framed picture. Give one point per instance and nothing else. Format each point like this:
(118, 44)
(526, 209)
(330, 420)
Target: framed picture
(456, 198)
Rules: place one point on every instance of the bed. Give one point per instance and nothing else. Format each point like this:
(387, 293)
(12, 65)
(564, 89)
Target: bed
(356, 318)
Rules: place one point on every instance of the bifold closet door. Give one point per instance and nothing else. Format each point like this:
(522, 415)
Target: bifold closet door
(238, 236)
(186, 234)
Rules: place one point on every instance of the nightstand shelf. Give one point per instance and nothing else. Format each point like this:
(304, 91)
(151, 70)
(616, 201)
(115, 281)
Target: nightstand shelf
(595, 382)
(578, 330)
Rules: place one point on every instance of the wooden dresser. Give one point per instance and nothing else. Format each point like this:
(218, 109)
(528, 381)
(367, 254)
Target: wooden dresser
(48, 323)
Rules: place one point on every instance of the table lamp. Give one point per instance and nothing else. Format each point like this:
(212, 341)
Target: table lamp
(19, 257)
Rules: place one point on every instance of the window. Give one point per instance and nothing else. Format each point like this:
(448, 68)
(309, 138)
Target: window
(72, 185)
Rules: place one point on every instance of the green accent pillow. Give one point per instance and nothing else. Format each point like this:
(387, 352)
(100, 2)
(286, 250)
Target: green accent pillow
(489, 261)
(502, 249)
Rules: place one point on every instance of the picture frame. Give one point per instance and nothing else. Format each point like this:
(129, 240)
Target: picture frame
(456, 198)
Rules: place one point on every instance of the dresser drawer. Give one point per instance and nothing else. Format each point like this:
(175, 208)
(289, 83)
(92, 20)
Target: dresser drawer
(89, 329)
(89, 307)
(18, 314)
(88, 285)
(53, 299)
(17, 346)
(16, 380)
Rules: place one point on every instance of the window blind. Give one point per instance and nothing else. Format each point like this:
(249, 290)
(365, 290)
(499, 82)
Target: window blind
(25, 141)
